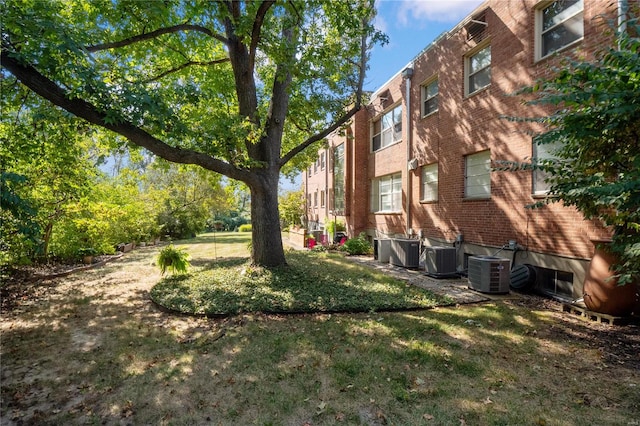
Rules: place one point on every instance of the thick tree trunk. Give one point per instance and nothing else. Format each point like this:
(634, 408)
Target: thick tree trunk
(267, 247)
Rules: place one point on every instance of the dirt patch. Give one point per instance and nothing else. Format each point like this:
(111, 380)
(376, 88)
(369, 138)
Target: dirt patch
(619, 344)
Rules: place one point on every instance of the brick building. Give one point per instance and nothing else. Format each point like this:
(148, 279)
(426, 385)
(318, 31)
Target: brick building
(417, 162)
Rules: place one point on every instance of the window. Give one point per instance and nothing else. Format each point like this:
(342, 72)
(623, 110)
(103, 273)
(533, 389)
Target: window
(478, 70)
(315, 199)
(322, 160)
(386, 193)
(542, 153)
(430, 183)
(388, 129)
(558, 25)
(477, 175)
(555, 283)
(322, 198)
(309, 171)
(338, 178)
(430, 98)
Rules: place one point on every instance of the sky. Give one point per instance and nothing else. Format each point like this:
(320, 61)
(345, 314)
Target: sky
(411, 25)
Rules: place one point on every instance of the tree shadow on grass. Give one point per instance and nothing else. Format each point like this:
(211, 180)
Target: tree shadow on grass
(136, 365)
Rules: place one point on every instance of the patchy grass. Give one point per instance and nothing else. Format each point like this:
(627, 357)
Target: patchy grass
(92, 349)
(312, 282)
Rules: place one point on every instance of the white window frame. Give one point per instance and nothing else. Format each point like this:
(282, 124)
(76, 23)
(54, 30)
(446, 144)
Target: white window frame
(322, 160)
(429, 183)
(470, 72)
(390, 128)
(429, 96)
(386, 194)
(477, 175)
(575, 11)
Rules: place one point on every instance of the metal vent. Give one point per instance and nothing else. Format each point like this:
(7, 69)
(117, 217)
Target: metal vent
(477, 28)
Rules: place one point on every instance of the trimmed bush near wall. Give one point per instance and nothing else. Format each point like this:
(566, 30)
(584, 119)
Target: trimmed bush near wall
(359, 245)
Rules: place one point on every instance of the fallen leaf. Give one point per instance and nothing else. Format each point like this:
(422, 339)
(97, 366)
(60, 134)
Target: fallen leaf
(427, 416)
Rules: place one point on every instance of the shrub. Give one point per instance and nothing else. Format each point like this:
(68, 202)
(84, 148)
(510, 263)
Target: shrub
(245, 228)
(174, 259)
(334, 226)
(359, 245)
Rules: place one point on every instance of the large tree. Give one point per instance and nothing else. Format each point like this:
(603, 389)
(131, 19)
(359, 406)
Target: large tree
(239, 88)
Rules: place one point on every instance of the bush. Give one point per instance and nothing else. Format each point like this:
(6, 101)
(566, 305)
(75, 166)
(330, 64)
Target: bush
(359, 245)
(174, 259)
(245, 228)
(334, 226)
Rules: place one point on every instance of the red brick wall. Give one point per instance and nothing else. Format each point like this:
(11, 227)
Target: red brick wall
(465, 125)
(468, 124)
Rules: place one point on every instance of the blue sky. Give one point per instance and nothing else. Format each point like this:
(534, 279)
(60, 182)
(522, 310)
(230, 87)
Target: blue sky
(411, 25)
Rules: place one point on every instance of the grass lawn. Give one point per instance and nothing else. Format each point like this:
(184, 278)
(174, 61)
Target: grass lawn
(92, 349)
(312, 282)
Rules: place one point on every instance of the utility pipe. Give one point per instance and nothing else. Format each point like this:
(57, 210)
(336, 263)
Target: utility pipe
(623, 11)
(406, 74)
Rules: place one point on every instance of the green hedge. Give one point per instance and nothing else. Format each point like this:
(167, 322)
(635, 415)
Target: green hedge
(245, 228)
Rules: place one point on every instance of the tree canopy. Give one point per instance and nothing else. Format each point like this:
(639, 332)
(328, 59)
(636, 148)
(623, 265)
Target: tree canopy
(240, 88)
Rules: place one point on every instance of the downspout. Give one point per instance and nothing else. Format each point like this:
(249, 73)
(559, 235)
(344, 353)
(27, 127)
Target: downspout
(623, 11)
(406, 74)
(326, 189)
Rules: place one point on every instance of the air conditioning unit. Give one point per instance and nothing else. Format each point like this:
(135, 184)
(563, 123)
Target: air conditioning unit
(489, 274)
(440, 262)
(405, 252)
(382, 249)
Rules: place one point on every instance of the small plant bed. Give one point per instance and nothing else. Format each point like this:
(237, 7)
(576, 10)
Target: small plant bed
(312, 282)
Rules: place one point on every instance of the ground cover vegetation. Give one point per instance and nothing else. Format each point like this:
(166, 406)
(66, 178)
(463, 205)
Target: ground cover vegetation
(239, 88)
(311, 282)
(91, 348)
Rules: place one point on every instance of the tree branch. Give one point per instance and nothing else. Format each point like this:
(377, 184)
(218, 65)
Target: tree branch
(319, 136)
(41, 85)
(257, 28)
(154, 34)
(183, 66)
